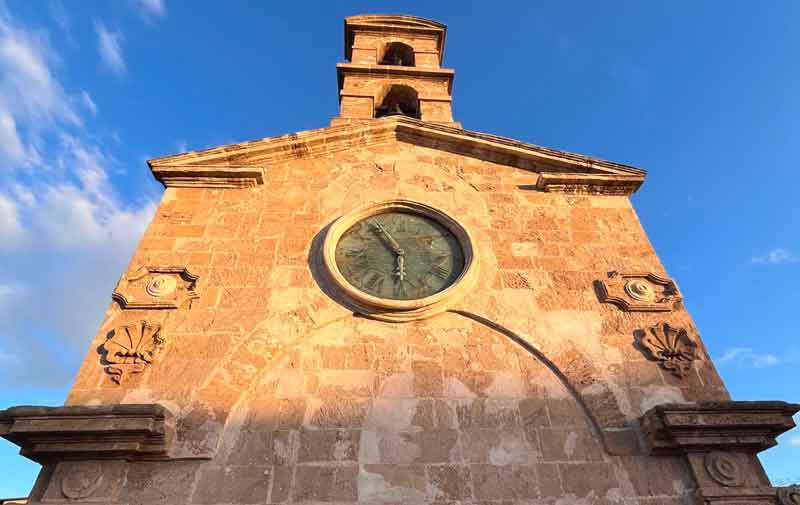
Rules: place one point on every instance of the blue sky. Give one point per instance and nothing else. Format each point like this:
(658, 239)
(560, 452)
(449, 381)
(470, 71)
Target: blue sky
(701, 94)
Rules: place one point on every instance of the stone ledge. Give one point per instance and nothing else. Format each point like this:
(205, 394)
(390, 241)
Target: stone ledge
(208, 176)
(716, 426)
(48, 434)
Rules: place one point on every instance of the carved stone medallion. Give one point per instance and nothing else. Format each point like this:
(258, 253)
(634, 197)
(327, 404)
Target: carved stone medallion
(724, 469)
(130, 348)
(150, 287)
(672, 348)
(161, 286)
(639, 292)
(82, 480)
(789, 495)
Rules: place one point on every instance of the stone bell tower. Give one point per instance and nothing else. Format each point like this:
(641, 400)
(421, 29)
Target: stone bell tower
(392, 309)
(394, 68)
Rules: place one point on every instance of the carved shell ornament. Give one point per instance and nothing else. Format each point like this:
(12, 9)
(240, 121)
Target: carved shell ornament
(130, 348)
(789, 495)
(671, 347)
(724, 469)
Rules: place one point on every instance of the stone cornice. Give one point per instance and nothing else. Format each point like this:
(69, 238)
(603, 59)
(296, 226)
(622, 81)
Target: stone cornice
(446, 74)
(128, 431)
(392, 23)
(716, 426)
(246, 164)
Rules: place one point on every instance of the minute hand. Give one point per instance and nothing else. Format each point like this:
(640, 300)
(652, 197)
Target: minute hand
(392, 242)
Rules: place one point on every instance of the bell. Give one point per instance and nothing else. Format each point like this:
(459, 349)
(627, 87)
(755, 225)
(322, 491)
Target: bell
(395, 110)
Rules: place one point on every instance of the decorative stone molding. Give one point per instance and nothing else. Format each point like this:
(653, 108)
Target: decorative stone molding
(673, 348)
(720, 441)
(151, 287)
(639, 292)
(789, 495)
(85, 478)
(128, 349)
(724, 469)
(240, 165)
(51, 434)
(208, 176)
(716, 426)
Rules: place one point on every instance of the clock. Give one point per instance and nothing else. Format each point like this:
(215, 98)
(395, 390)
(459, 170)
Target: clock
(399, 256)
(398, 260)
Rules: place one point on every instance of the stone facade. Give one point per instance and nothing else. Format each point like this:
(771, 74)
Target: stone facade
(270, 389)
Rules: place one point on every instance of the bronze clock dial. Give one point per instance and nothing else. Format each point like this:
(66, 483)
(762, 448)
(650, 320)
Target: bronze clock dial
(399, 256)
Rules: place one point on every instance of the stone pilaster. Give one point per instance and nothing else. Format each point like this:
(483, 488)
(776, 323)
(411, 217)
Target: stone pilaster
(720, 441)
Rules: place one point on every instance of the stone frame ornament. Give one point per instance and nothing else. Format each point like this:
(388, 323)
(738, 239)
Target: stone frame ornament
(640, 292)
(399, 310)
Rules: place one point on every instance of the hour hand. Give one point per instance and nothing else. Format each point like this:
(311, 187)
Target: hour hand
(400, 271)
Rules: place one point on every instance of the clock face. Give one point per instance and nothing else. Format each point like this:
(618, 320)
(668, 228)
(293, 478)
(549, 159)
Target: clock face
(399, 256)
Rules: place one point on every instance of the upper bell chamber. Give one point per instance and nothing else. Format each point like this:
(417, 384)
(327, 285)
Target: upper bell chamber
(394, 68)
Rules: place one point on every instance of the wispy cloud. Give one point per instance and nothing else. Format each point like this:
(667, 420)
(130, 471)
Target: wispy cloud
(775, 257)
(109, 43)
(66, 232)
(151, 9)
(794, 441)
(747, 357)
(87, 101)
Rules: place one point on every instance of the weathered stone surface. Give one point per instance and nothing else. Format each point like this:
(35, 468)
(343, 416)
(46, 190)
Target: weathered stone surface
(527, 390)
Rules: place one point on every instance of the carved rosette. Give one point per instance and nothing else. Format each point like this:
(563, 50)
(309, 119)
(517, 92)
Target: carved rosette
(673, 348)
(129, 349)
(724, 469)
(639, 292)
(83, 479)
(169, 287)
(789, 495)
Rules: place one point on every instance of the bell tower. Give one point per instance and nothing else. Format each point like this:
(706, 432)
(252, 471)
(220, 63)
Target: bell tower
(394, 68)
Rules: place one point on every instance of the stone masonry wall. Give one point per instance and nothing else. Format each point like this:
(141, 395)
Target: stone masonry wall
(528, 391)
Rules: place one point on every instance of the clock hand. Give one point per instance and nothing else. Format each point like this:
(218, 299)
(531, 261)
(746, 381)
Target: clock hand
(389, 239)
(400, 271)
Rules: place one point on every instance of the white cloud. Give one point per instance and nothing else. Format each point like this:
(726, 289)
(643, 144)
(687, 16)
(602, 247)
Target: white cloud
(61, 16)
(794, 441)
(10, 228)
(775, 257)
(28, 90)
(86, 98)
(151, 8)
(66, 233)
(746, 356)
(110, 46)
(11, 147)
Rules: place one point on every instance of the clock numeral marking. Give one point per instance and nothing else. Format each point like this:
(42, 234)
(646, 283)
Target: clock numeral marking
(400, 290)
(350, 253)
(373, 281)
(440, 272)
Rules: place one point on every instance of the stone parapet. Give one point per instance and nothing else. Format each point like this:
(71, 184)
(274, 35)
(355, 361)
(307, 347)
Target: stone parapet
(51, 434)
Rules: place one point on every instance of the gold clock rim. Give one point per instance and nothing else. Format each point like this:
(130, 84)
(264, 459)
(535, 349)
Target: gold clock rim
(401, 310)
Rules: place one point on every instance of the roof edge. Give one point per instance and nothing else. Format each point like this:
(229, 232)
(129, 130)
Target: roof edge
(244, 164)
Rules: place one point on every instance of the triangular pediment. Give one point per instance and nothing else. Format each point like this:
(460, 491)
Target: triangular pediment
(246, 163)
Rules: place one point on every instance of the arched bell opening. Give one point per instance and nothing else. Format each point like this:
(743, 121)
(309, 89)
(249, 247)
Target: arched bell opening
(397, 53)
(399, 100)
